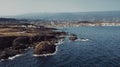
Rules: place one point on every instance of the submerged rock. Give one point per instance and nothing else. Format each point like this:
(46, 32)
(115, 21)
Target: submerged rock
(44, 47)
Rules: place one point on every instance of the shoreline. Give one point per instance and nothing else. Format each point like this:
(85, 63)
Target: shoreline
(49, 54)
(39, 38)
(35, 55)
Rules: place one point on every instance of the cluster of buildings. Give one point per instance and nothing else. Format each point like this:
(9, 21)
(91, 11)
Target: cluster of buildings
(85, 23)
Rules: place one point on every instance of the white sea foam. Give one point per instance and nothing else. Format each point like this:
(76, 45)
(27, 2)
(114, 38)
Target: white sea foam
(13, 57)
(2, 60)
(82, 40)
(59, 42)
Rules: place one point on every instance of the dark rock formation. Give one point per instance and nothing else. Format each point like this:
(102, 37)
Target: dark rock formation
(6, 41)
(44, 47)
(4, 55)
(73, 37)
(12, 45)
(9, 53)
(21, 42)
(43, 38)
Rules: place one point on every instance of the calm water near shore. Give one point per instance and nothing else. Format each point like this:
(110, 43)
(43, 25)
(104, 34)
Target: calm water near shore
(101, 50)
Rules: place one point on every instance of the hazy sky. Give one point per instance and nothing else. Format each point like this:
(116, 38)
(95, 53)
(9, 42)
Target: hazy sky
(14, 7)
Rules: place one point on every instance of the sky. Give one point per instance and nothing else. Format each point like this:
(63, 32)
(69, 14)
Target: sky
(17, 7)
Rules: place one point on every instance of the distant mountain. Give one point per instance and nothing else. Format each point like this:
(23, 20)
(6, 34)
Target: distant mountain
(7, 19)
(106, 16)
(11, 21)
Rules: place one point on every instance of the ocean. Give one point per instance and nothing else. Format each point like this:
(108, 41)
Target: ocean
(101, 50)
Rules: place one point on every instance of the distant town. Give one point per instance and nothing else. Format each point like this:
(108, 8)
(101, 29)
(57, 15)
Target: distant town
(81, 23)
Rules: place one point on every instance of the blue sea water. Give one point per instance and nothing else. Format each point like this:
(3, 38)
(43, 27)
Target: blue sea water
(102, 50)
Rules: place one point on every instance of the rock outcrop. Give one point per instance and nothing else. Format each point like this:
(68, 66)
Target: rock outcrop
(21, 42)
(6, 41)
(73, 37)
(44, 47)
(9, 52)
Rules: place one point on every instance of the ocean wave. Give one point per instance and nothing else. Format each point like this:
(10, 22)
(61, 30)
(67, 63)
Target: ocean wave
(13, 57)
(82, 39)
(59, 42)
(2, 60)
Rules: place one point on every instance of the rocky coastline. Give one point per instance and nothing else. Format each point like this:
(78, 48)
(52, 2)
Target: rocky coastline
(15, 40)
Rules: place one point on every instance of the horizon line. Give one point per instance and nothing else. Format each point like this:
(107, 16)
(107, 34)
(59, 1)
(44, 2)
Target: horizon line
(60, 12)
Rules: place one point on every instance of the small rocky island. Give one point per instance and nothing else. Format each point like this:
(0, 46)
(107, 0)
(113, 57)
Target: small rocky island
(73, 37)
(16, 38)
